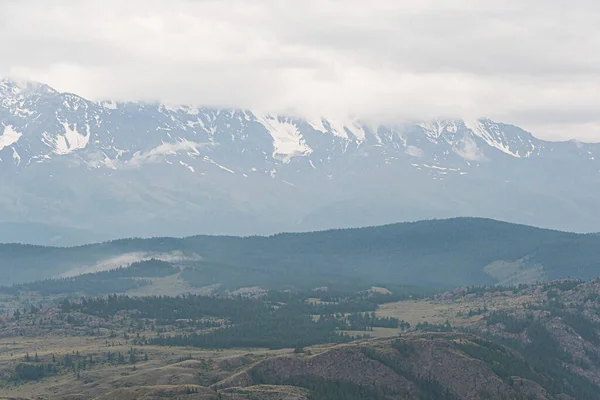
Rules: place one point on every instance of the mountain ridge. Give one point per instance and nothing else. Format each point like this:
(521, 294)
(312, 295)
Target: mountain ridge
(435, 253)
(144, 169)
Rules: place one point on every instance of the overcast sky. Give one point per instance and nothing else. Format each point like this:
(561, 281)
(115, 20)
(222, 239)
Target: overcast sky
(534, 63)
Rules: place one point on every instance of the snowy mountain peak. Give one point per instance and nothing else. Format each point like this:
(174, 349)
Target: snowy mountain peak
(436, 129)
(157, 165)
(51, 124)
(25, 89)
(45, 124)
(8, 88)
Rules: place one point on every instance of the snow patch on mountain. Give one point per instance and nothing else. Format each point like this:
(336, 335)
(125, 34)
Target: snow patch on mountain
(340, 129)
(433, 129)
(211, 161)
(494, 139)
(16, 156)
(353, 127)
(69, 142)
(9, 137)
(187, 166)
(318, 125)
(288, 142)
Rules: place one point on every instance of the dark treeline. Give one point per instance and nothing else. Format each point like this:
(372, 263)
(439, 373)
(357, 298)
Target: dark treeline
(279, 328)
(397, 293)
(90, 284)
(349, 305)
(196, 306)
(33, 372)
(333, 302)
(366, 321)
(243, 322)
(426, 326)
(169, 308)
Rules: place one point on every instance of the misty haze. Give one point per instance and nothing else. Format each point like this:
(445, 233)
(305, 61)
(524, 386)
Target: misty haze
(317, 200)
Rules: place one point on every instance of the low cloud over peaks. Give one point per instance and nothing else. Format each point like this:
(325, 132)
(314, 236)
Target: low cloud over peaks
(536, 63)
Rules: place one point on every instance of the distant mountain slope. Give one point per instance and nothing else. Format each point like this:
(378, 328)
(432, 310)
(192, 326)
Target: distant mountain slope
(438, 253)
(137, 169)
(15, 232)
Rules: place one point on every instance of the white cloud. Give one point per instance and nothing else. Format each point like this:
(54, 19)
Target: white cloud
(467, 149)
(124, 260)
(535, 63)
(414, 151)
(152, 156)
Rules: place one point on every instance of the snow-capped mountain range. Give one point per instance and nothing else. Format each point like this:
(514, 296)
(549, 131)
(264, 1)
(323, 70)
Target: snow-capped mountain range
(97, 170)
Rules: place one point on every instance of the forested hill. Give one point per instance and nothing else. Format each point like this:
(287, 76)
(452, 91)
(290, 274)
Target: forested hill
(439, 253)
